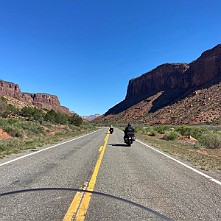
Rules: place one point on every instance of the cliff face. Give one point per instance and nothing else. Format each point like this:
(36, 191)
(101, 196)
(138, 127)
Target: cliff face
(10, 89)
(40, 100)
(178, 76)
(171, 84)
(166, 76)
(205, 69)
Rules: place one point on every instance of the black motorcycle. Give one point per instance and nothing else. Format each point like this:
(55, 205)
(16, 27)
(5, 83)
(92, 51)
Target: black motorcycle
(128, 139)
(111, 130)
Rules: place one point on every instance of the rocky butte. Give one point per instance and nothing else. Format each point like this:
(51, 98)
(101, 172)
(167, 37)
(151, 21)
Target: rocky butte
(40, 100)
(168, 86)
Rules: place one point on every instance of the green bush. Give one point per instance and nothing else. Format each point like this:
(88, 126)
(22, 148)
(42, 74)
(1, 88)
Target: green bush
(32, 113)
(152, 133)
(18, 127)
(14, 131)
(190, 131)
(170, 135)
(32, 128)
(5, 145)
(11, 121)
(60, 118)
(149, 131)
(161, 129)
(136, 129)
(75, 120)
(211, 140)
(3, 107)
(12, 109)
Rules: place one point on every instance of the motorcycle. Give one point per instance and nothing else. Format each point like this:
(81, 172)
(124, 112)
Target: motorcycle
(129, 139)
(111, 130)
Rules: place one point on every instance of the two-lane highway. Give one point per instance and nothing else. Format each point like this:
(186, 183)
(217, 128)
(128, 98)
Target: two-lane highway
(101, 162)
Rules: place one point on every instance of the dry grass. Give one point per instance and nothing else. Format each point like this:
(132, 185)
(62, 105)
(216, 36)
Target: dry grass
(50, 134)
(206, 159)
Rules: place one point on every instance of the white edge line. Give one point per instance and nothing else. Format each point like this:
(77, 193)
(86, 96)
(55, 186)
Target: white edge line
(30, 154)
(183, 164)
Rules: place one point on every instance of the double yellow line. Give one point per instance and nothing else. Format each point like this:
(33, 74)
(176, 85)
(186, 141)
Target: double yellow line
(80, 203)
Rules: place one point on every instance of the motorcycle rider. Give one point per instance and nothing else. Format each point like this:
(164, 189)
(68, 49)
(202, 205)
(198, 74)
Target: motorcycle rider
(129, 130)
(111, 129)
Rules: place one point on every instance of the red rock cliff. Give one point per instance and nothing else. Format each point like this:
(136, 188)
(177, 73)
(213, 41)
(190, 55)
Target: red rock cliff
(205, 69)
(182, 76)
(40, 100)
(166, 76)
(175, 80)
(10, 89)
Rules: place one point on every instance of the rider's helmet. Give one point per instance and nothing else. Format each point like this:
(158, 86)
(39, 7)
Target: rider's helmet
(129, 125)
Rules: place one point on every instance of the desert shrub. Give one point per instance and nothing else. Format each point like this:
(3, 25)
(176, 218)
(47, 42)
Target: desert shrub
(136, 129)
(10, 144)
(6, 109)
(12, 109)
(5, 122)
(56, 117)
(161, 129)
(32, 113)
(3, 107)
(152, 133)
(146, 128)
(17, 127)
(190, 131)
(14, 131)
(149, 131)
(50, 116)
(32, 128)
(12, 121)
(61, 118)
(211, 140)
(2, 122)
(75, 120)
(170, 135)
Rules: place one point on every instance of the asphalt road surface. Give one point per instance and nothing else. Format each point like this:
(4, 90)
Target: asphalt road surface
(130, 183)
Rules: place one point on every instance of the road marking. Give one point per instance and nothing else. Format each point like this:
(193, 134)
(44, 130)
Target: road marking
(75, 204)
(183, 164)
(101, 148)
(30, 154)
(82, 203)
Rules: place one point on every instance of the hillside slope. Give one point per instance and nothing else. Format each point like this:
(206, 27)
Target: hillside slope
(174, 93)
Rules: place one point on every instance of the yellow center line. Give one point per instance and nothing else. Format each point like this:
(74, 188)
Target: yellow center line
(101, 148)
(75, 204)
(81, 201)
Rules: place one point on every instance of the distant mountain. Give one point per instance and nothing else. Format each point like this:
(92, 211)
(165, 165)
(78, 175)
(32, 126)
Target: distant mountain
(20, 99)
(91, 117)
(174, 93)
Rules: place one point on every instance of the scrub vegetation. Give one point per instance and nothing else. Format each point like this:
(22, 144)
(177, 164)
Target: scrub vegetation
(200, 145)
(31, 127)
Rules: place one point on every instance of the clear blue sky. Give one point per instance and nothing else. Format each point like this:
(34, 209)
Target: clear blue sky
(86, 51)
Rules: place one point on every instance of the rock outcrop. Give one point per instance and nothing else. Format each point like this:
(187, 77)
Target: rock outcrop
(179, 76)
(40, 100)
(166, 76)
(170, 84)
(10, 89)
